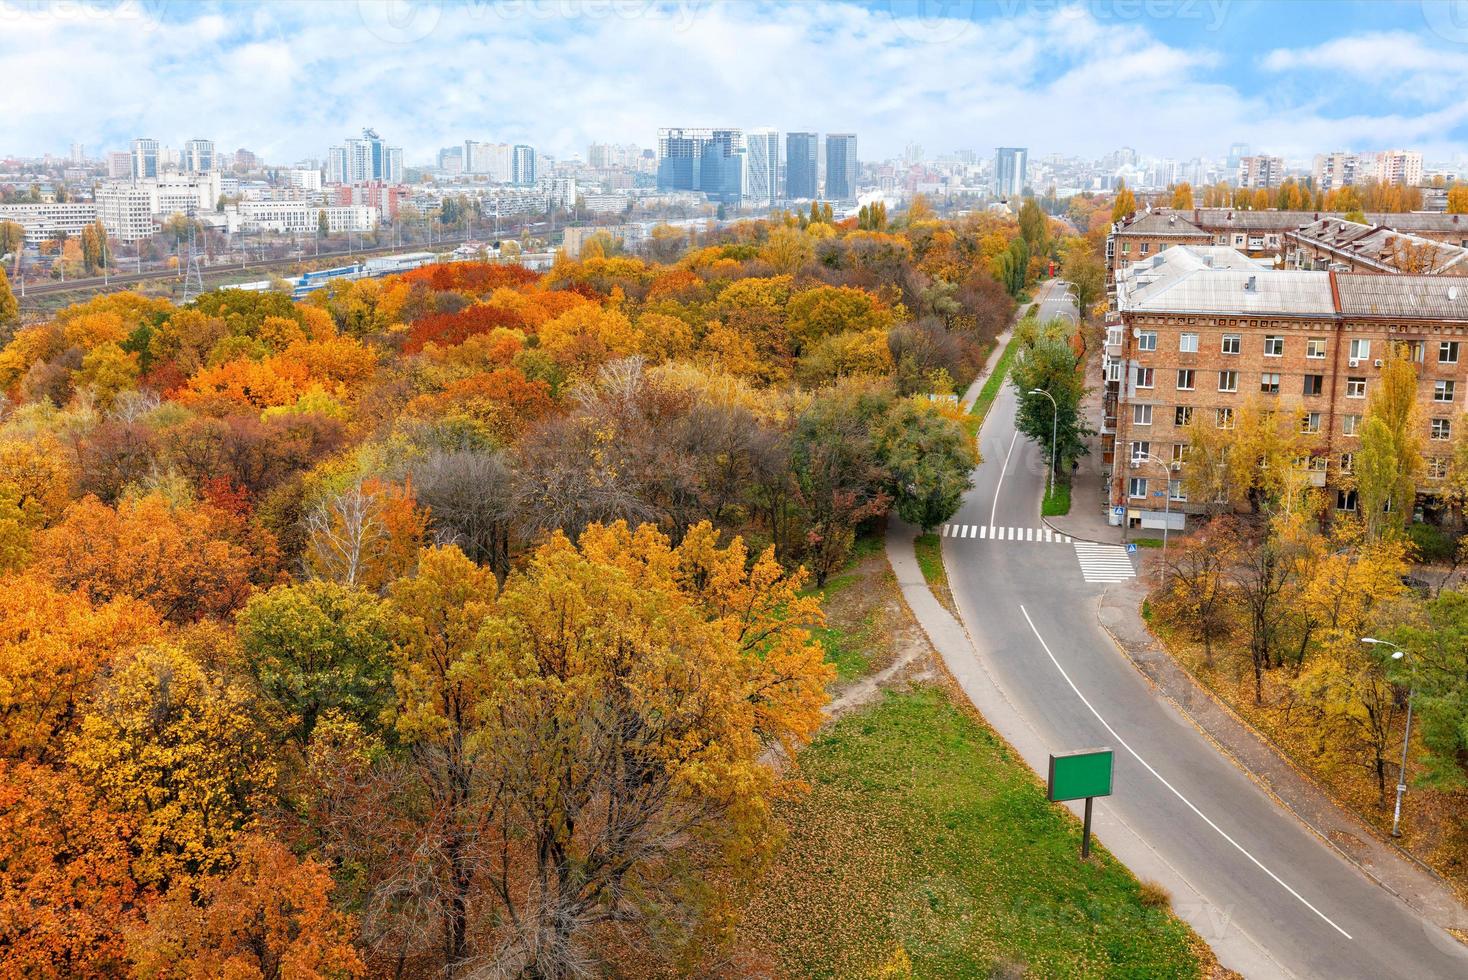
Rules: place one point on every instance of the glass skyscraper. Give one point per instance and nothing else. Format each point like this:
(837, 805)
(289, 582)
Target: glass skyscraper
(802, 166)
(841, 173)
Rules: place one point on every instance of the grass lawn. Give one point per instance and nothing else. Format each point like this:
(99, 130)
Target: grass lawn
(1057, 500)
(929, 550)
(990, 391)
(1147, 542)
(922, 837)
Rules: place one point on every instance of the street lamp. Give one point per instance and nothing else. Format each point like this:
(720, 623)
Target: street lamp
(1398, 654)
(1054, 428)
(1166, 502)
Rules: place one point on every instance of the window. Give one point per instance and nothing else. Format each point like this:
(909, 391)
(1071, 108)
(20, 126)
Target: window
(1228, 381)
(1415, 350)
(1348, 462)
(1144, 377)
(1223, 418)
(1345, 500)
(1442, 391)
(1187, 343)
(1349, 424)
(1360, 350)
(1185, 379)
(1274, 346)
(1141, 415)
(1233, 343)
(1437, 467)
(1310, 424)
(1269, 384)
(1180, 452)
(1355, 387)
(1182, 415)
(1147, 340)
(1315, 348)
(1447, 352)
(1140, 449)
(1146, 247)
(1442, 429)
(1126, 247)
(1314, 384)
(1137, 487)
(1175, 490)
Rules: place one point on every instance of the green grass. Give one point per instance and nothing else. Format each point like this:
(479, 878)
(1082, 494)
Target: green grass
(922, 834)
(1147, 542)
(930, 560)
(1057, 500)
(846, 649)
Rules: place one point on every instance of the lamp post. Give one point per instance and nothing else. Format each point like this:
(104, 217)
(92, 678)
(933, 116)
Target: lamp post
(1166, 503)
(1054, 430)
(1399, 654)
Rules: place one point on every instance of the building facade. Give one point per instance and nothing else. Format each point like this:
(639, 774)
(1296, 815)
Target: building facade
(1011, 164)
(125, 208)
(802, 166)
(1256, 172)
(707, 160)
(1203, 333)
(1332, 171)
(841, 166)
(45, 222)
(762, 167)
(144, 158)
(198, 156)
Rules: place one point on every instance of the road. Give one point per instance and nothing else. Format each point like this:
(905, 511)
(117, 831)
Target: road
(1269, 884)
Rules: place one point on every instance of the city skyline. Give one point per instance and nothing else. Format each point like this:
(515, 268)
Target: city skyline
(1053, 77)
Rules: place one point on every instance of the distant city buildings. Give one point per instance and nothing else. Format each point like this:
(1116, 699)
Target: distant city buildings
(802, 166)
(841, 167)
(366, 159)
(1261, 172)
(707, 160)
(1333, 171)
(144, 159)
(1010, 166)
(198, 156)
(762, 167)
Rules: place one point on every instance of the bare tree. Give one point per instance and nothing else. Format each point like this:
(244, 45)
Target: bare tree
(470, 499)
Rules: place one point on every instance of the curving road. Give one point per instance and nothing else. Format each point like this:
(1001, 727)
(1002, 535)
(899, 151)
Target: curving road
(1270, 896)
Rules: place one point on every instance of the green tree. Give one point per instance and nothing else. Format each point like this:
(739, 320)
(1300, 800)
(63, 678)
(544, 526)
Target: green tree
(1048, 362)
(1436, 666)
(323, 227)
(1034, 227)
(319, 646)
(1084, 271)
(929, 461)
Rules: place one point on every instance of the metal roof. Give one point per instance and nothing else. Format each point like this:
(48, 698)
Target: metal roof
(1159, 223)
(1234, 219)
(1220, 280)
(1380, 248)
(1405, 297)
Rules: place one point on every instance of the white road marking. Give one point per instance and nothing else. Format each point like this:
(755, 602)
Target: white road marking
(1026, 535)
(995, 508)
(1104, 562)
(1186, 802)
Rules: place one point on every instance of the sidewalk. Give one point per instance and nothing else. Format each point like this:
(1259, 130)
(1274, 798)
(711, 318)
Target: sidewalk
(1119, 613)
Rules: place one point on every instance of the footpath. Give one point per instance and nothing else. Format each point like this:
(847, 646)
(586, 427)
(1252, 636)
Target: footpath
(1118, 610)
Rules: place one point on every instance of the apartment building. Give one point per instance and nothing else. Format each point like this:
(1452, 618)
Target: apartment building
(1349, 246)
(1335, 170)
(46, 221)
(127, 209)
(1198, 331)
(1261, 172)
(300, 217)
(1147, 234)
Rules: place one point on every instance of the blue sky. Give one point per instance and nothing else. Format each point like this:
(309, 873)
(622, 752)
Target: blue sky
(1169, 77)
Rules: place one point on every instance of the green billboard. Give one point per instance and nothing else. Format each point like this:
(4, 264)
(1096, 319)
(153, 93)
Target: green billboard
(1080, 775)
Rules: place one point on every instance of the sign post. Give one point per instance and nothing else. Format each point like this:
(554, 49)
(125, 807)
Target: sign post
(1081, 775)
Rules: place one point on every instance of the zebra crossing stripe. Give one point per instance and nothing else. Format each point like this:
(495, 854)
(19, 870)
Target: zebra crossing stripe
(989, 532)
(1104, 562)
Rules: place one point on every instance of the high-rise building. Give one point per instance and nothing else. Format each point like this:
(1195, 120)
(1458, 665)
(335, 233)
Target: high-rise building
(841, 172)
(1010, 166)
(198, 156)
(476, 157)
(358, 161)
(912, 154)
(451, 160)
(1236, 152)
(522, 165)
(119, 164)
(802, 166)
(392, 171)
(762, 167)
(1261, 171)
(1333, 171)
(707, 160)
(1399, 167)
(245, 160)
(336, 165)
(144, 159)
(78, 153)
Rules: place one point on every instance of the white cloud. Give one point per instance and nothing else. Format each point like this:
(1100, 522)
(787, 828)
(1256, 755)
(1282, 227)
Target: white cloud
(288, 80)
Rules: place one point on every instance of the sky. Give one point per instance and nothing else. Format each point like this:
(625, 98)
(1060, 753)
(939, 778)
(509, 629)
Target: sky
(1178, 78)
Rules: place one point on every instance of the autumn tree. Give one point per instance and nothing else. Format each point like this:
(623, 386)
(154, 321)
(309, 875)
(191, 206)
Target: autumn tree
(1390, 461)
(180, 752)
(1199, 594)
(9, 308)
(1457, 202)
(365, 536)
(1436, 668)
(315, 647)
(1125, 202)
(268, 916)
(1084, 273)
(469, 495)
(1182, 197)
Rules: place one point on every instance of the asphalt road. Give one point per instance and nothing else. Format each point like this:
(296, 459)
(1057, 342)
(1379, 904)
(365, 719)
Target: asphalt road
(1268, 882)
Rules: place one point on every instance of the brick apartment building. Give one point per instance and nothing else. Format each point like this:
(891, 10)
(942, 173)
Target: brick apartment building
(1259, 234)
(1199, 330)
(1348, 246)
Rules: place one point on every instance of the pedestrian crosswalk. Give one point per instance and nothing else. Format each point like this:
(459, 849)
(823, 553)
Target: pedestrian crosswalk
(1104, 562)
(987, 532)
